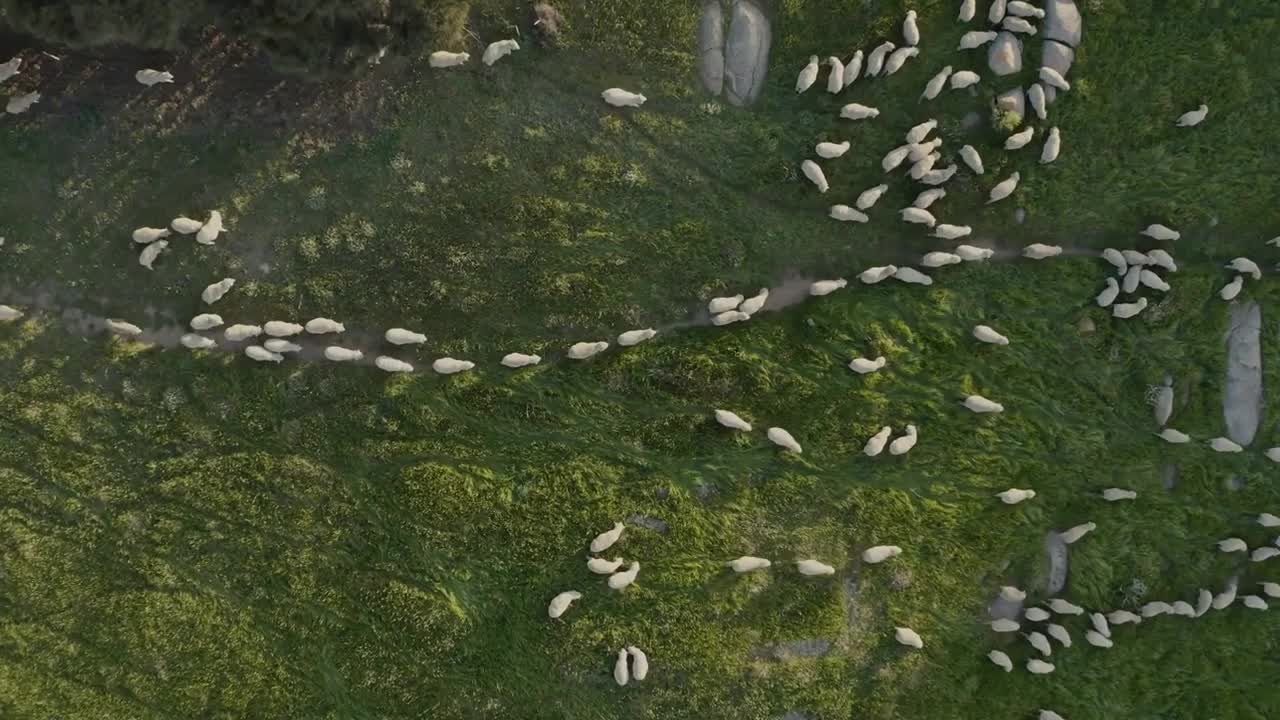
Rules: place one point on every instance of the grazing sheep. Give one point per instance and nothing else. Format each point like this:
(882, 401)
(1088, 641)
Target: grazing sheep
(1204, 602)
(895, 157)
(919, 216)
(1162, 259)
(395, 336)
(121, 327)
(844, 213)
(8, 314)
(205, 321)
(10, 68)
(1224, 599)
(451, 366)
(618, 581)
(1039, 667)
(732, 421)
(1013, 496)
(826, 287)
(1117, 260)
(928, 197)
(1000, 659)
(808, 75)
(1156, 231)
(920, 151)
(924, 165)
(639, 663)
(753, 304)
(910, 32)
(1004, 188)
(940, 259)
(938, 177)
(445, 59)
(1117, 494)
(934, 87)
(601, 566)
(976, 39)
(815, 175)
(276, 345)
(211, 229)
(185, 225)
(1040, 251)
(1152, 280)
(498, 50)
(830, 150)
(1123, 617)
(1035, 95)
(519, 360)
(873, 275)
(1193, 118)
(196, 342)
(1155, 608)
(898, 58)
(979, 404)
(149, 253)
(1040, 642)
(971, 158)
(216, 291)
(1063, 607)
(341, 354)
(1273, 454)
(726, 318)
(1059, 633)
(853, 68)
(880, 553)
(747, 563)
(1133, 257)
(560, 603)
(969, 253)
(635, 337)
(813, 568)
(724, 304)
(1224, 445)
(1247, 266)
(1271, 589)
(783, 439)
(875, 61)
(584, 350)
(967, 9)
(1232, 289)
(238, 333)
(392, 365)
(875, 444)
(261, 354)
(903, 445)
(996, 12)
(868, 198)
(1024, 9)
(1231, 545)
(1253, 602)
(606, 539)
(908, 637)
(617, 97)
(1175, 437)
(1035, 614)
(1183, 608)
(19, 104)
(151, 77)
(835, 80)
(987, 334)
(1132, 279)
(1073, 534)
(1267, 520)
(275, 328)
(1125, 311)
(620, 674)
(147, 235)
(1052, 146)
(912, 276)
(963, 79)
(858, 111)
(1019, 140)
(862, 366)
(1054, 79)
(1097, 639)
(1018, 25)
(1263, 554)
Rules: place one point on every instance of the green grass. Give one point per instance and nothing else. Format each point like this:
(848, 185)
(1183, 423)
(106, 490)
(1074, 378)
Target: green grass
(187, 535)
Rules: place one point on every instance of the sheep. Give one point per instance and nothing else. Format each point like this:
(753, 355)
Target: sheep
(963, 79)
(875, 61)
(980, 405)
(1039, 667)
(519, 360)
(753, 304)
(211, 229)
(1019, 140)
(1274, 242)
(912, 276)
(1153, 281)
(835, 80)
(1162, 259)
(903, 445)
(1245, 265)
(826, 287)
(1183, 608)
(1000, 659)
(880, 553)
(1024, 9)
(875, 444)
(1271, 589)
(1097, 639)
(584, 350)
(1133, 257)
(639, 663)
(185, 225)
(940, 259)
(617, 97)
(873, 275)
(1035, 614)
(1155, 608)
(395, 336)
(1232, 289)
(1052, 146)
(1204, 602)
(844, 213)
(635, 337)
(1267, 520)
(1040, 642)
(1117, 260)
(1004, 625)
(967, 9)
(928, 197)
(445, 59)
(987, 334)
(899, 58)
(341, 354)
(1018, 25)
(1233, 544)
(1193, 118)
(858, 111)
(996, 12)
(1040, 251)
(451, 366)
(121, 327)
(150, 77)
(976, 39)
(1224, 445)
(726, 318)
(1035, 96)
(813, 568)
(237, 333)
(924, 165)
(1174, 437)
(938, 177)
(918, 216)
(601, 566)
(747, 563)
(1054, 79)
(9, 314)
(971, 158)
(1253, 602)
(261, 354)
(1004, 188)
(910, 31)
(868, 198)
(1059, 633)
(1013, 496)
(205, 321)
(560, 603)
(830, 150)
(1012, 594)
(1156, 231)
(216, 291)
(1123, 617)
(952, 232)
(1063, 607)
(895, 157)
(969, 253)
(853, 68)
(783, 439)
(808, 75)
(907, 636)
(724, 304)
(392, 365)
(934, 87)
(1073, 534)
(276, 345)
(9, 68)
(732, 421)
(862, 366)
(19, 104)
(621, 580)
(606, 539)
(920, 131)
(815, 175)
(1125, 311)
(1224, 599)
(276, 328)
(620, 674)
(1132, 279)
(1263, 554)
(197, 342)
(498, 50)
(149, 253)
(147, 235)
(1118, 494)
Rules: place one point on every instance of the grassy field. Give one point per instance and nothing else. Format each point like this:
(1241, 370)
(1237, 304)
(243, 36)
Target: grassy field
(194, 536)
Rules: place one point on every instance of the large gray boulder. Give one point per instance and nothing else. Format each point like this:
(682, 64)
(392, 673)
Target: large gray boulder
(746, 53)
(1059, 57)
(711, 47)
(1242, 398)
(1062, 22)
(1004, 55)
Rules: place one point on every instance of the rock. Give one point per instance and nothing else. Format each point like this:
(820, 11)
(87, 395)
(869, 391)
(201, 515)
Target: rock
(1085, 326)
(547, 22)
(746, 53)
(1169, 475)
(1059, 57)
(1062, 22)
(970, 120)
(1004, 55)
(1013, 100)
(1242, 398)
(1235, 482)
(657, 525)
(711, 47)
(1002, 608)
(1020, 215)
(1059, 556)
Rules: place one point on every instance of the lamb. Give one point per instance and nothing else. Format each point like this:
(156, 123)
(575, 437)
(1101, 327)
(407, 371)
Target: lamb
(1013, 496)
(620, 674)
(1194, 117)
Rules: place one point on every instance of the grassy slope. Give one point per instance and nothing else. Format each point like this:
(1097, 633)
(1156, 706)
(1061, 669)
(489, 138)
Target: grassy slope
(190, 536)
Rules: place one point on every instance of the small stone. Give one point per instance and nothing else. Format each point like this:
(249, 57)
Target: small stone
(1085, 326)
(1062, 22)
(1020, 215)
(1004, 55)
(971, 120)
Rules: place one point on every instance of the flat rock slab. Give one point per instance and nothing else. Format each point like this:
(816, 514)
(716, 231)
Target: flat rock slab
(746, 53)
(1242, 398)
(657, 525)
(711, 47)
(1013, 100)
(1059, 57)
(1062, 22)
(1059, 559)
(1004, 55)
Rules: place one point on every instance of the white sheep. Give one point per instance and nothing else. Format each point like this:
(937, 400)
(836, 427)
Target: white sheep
(261, 354)
(826, 287)
(844, 213)
(150, 77)
(621, 580)
(1040, 642)
(147, 235)
(1052, 146)
(1224, 599)
(988, 334)
(1035, 96)
(902, 445)
(1040, 251)
(783, 439)
(1271, 589)
(1013, 496)
(519, 360)
(1018, 25)
(601, 566)
(928, 197)
(9, 68)
(1059, 633)
(1273, 454)
(1073, 534)
(1039, 667)
(398, 336)
(617, 97)
(853, 68)
(1063, 607)
(1232, 289)
(971, 158)
(1097, 639)
(276, 328)
(1156, 231)
(969, 253)
(1193, 118)
(979, 404)
(830, 150)
(1125, 311)
(1024, 9)
(238, 333)
(445, 59)
(1172, 436)
(560, 603)
(1224, 445)
(922, 150)
(873, 275)
(620, 674)
(451, 366)
(1000, 659)
(808, 75)
(149, 253)
(1162, 259)
(1012, 594)
(1232, 544)
(875, 61)
(1019, 140)
(815, 175)
(907, 636)
(910, 31)
(938, 259)
(732, 421)
(1253, 602)
(205, 321)
(976, 39)
(1035, 614)
(1246, 266)
(1133, 257)
(197, 342)
(639, 663)
(211, 229)
(858, 111)
(867, 199)
(996, 12)
(1123, 617)
(835, 79)
(9, 314)
(1054, 79)
(1132, 279)
(753, 304)
(392, 365)
(898, 58)
(216, 291)
(938, 177)
(635, 337)
(862, 366)
(967, 9)
(918, 216)
(934, 87)
(880, 553)
(814, 568)
(875, 444)
(727, 318)
(498, 50)
(1118, 494)
(1155, 608)
(606, 539)
(341, 354)
(1117, 260)
(1263, 554)
(1183, 608)
(1204, 602)
(924, 165)
(276, 345)
(895, 157)
(747, 563)
(584, 350)
(19, 104)
(185, 225)
(963, 79)
(912, 276)
(1153, 281)
(1004, 188)
(952, 232)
